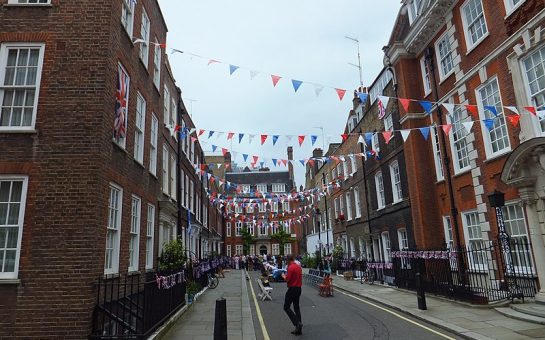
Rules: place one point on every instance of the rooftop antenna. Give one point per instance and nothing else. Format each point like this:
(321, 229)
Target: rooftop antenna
(323, 136)
(359, 58)
(191, 101)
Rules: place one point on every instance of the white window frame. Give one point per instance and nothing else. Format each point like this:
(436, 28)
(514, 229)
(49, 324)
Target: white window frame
(395, 176)
(262, 229)
(389, 123)
(475, 242)
(246, 188)
(140, 128)
(238, 209)
(286, 207)
(262, 188)
(249, 209)
(274, 206)
(275, 249)
(457, 127)
(340, 170)
(403, 241)
(127, 7)
(28, 3)
(186, 189)
(426, 80)
(173, 111)
(229, 253)
(348, 206)
(437, 153)
(228, 229)
(279, 187)
(191, 196)
(262, 207)
(172, 174)
(238, 228)
(448, 231)
(522, 254)
(538, 123)
(115, 229)
(239, 249)
(157, 65)
(287, 249)
(4, 49)
(357, 202)
(511, 7)
(166, 106)
(20, 224)
(166, 169)
(386, 246)
(375, 143)
(470, 44)
(150, 236)
(414, 8)
(153, 144)
(379, 188)
(134, 241)
(145, 26)
(354, 164)
(440, 59)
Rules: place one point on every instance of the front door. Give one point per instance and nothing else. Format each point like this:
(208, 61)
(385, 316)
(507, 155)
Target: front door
(263, 250)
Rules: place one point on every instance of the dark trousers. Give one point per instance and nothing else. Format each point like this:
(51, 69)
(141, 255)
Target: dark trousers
(292, 296)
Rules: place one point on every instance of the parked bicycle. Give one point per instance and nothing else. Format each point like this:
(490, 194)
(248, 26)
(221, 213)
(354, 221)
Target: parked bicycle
(213, 280)
(368, 276)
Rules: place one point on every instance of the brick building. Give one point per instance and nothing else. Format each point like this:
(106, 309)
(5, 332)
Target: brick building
(89, 173)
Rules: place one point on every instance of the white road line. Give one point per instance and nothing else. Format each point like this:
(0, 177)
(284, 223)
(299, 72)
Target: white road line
(259, 316)
(399, 316)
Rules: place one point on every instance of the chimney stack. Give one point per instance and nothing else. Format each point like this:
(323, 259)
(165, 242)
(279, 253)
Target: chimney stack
(227, 161)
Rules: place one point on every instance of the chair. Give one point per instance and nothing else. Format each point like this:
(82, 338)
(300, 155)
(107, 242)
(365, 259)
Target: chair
(265, 291)
(326, 287)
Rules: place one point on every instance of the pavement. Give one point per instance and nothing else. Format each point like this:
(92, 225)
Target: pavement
(473, 322)
(197, 323)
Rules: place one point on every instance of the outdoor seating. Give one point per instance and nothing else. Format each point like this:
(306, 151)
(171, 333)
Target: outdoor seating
(326, 287)
(265, 291)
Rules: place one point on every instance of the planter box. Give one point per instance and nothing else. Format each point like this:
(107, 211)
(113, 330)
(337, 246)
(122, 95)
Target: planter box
(348, 276)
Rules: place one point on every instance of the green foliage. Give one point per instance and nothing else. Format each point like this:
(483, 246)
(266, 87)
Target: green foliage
(173, 256)
(309, 261)
(247, 239)
(338, 252)
(282, 238)
(193, 288)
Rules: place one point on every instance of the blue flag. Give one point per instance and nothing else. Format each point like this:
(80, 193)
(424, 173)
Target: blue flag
(274, 161)
(214, 147)
(296, 84)
(240, 136)
(489, 123)
(232, 69)
(491, 109)
(368, 137)
(245, 157)
(363, 97)
(313, 139)
(275, 139)
(425, 132)
(426, 105)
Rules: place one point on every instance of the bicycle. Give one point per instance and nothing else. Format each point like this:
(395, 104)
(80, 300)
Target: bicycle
(213, 281)
(368, 276)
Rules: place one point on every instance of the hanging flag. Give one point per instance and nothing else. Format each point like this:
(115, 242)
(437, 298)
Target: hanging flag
(232, 69)
(368, 137)
(447, 128)
(301, 139)
(382, 105)
(212, 61)
(200, 133)
(425, 131)
(263, 139)
(214, 147)
(513, 109)
(253, 74)
(426, 105)
(210, 134)
(361, 140)
(318, 89)
(274, 161)
(230, 135)
(240, 136)
(492, 109)
(363, 97)
(405, 103)
(296, 84)
(474, 110)
(489, 123)
(468, 126)
(245, 156)
(531, 109)
(313, 139)
(193, 139)
(224, 151)
(302, 162)
(405, 134)
(344, 137)
(514, 119)
(387, 135)
(250, 138)
(340, 93)
(189, 227)
(275, 79)
(275, 139)
(449, 107)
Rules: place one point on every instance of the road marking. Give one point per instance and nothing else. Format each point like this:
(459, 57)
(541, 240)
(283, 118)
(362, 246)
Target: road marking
(259, 316)
(399, 316)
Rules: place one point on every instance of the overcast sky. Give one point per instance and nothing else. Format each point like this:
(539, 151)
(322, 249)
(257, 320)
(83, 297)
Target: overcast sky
(299, 39)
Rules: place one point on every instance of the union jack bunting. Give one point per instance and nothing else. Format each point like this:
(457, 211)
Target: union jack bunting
(121, 105)
(381, 109)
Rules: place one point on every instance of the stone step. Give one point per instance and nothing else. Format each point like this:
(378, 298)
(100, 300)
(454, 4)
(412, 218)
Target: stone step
(531, 309)
(513, 314)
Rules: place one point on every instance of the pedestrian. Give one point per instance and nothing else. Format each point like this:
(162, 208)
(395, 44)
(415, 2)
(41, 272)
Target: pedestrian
(294, 280)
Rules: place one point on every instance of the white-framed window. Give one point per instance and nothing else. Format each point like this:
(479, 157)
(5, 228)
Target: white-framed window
(262, 207)
(354, 165)
(29, 2)
(150, 233)
(287, 249)
(426, 80)
(396, 182)
(140, 128)
(186, 193)
(474, 238)
(157, 66)
(134, 242)
(166, 168)
(238, 209)
(286, 206)
(287, 227)
(386, 246)
(334, 173)
(251, 227)
(276, 249)
(262, 188)
(357, 203)
(496, 140)
(414, 10)
(144, 35)
(20, 75)
(534, 70)
(262, 230)
(403, 241)
(341, 205)
(229, 254)
(228, 229)
(166, 106)
(121, 112)
(127, 15)
(458, 144)
(191, 196)
(447, 227)
(375, 143)
(249, 209)
(239, 249)
(274, 206)
(389, 123)
(512, 5)
(443, 51)
(474, 21)
(173, 111)
(437, 156)
(345, 169)
(348, 206)
(379, 187)
(13, 191)
(173, 191)
(336, 206)
(238, 228)
(279, 187)
(340, 171)
(113, 231)
(515, 225)
(246, 188)
(153, 144)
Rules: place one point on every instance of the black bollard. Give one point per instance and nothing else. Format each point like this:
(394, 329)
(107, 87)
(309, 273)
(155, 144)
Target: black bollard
(420, 293)
(220, 322)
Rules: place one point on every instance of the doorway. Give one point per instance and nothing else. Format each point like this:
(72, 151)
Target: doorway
(263, 250)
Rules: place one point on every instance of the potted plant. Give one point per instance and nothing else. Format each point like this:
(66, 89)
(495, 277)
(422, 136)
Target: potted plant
(173, 257)
(192, 289)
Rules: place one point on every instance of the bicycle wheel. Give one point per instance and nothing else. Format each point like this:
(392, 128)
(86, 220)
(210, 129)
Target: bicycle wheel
(213, 282)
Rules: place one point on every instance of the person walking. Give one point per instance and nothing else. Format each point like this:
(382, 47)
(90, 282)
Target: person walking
(294, 280)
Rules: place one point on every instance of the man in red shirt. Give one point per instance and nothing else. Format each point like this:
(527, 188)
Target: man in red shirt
(294, 279)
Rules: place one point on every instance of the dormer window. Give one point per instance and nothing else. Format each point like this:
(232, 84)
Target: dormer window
(414, 10)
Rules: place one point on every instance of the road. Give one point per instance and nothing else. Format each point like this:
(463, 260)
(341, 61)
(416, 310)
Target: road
(343, 316)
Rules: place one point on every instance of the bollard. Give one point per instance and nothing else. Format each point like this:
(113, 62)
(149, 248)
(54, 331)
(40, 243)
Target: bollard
(420, 293)
(220, 322)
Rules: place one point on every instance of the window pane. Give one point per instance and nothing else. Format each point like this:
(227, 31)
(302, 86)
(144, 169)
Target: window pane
(12, 237)
(9, 264)
(13, 218)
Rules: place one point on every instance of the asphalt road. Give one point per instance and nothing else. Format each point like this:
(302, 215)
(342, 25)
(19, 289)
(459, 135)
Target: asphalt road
(339, 317)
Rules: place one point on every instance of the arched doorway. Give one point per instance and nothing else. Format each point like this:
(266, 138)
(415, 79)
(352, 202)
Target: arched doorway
(263, 250)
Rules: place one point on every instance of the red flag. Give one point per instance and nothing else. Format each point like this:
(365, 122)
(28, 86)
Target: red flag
(340, 93)
(446, 128)
(531, 109)
(177, 128)
(387, 135)
(200, 132)
(212, 61)
(405, 103)
(514, 119)
(193, 139)
(224, 151)
(163, 45)
(311, 162)
(344, 137)
(263, 139)
(275, 79)
(230, 135)
(474, 110)
(301, 140)
(255, 159)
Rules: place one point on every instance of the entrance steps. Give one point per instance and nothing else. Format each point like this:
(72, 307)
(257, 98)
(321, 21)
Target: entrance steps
(530, 312)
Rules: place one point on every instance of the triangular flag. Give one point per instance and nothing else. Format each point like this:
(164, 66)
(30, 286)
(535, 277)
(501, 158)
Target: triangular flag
(224, 151)
(210, 134)
(384, 100)
(255, 159)
(474, 110)
(230, 135)
(425, 131)
(387, 135)
(232, 69)
(492, 109)
(302, 162)
(449, 107)
(253, 74)
(344, 137)
(340, 93)
(531, 109)
(275, 79)
(275, 139)
(240, 136)
(250, 138)
(301, 139)
(514, 119)
(296, 84)
(368, 137)
(405, 134)
(274, 161)
(245, 156)
(363, 97)
(193, 139)
(426, 105)
(263, 139)
(489, 123)
(212, 61)
(513, 109)
(200, 133)
(318, 89)
(405, 103)
(313, 139)
(361, 140)
(214, 147)
(468, 126)
(447, 128)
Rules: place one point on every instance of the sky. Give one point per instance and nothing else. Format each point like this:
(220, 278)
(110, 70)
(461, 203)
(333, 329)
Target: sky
(302, 39)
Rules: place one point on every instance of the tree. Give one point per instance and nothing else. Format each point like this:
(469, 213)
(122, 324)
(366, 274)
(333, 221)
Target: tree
(247, 239)
(282, 237)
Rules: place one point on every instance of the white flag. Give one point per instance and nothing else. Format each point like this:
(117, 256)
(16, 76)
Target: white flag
(405, 134)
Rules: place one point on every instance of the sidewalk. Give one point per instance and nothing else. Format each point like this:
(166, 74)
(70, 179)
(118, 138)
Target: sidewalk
(198, 322)
(467, 321)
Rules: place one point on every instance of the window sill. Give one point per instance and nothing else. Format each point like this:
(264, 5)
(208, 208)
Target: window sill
(461, 172)
(121, 147)
(28, 5)
(513, 10)
(497, 155)
(129, 35)
(10, 282)
(139, 163)
(477, 43)
(396, 202)
(444, 78)
(154, 175)
(29, 131)
(109, 276)
(133, 272)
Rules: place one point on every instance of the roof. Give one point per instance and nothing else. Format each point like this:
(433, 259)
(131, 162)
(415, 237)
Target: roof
(260, 177)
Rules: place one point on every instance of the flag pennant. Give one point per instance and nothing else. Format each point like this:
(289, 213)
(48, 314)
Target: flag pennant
(301, 139)
(250, 138)
(468, 126)
(263, 139)
(446, 128)
(255, 158)
(296, 84)
(240, 136)
(474, 110)
(368, 137)
(405, 103)
(230, 135)
(363, 97)
(193, 139)
(214, 147)
(245, 156)
(387, 135)
(289, 137)
(426, 105)
(224, 151)
(425, 131)
(313, 139)
(514, 119)
(302, 162)
(261, 164)
(275, 79)
(489, 123)
(232, 69)
(382, 105)
(275, 139)
(513, 109)
(531, 109)
(200, 133)
(340, 93)
(344, 137)
(449, 107)
(492, 109)
(212, 61)
(361, 140)
(210, 134)
(274, 161)
(253, 74)
(318, 89)
(405, 134)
